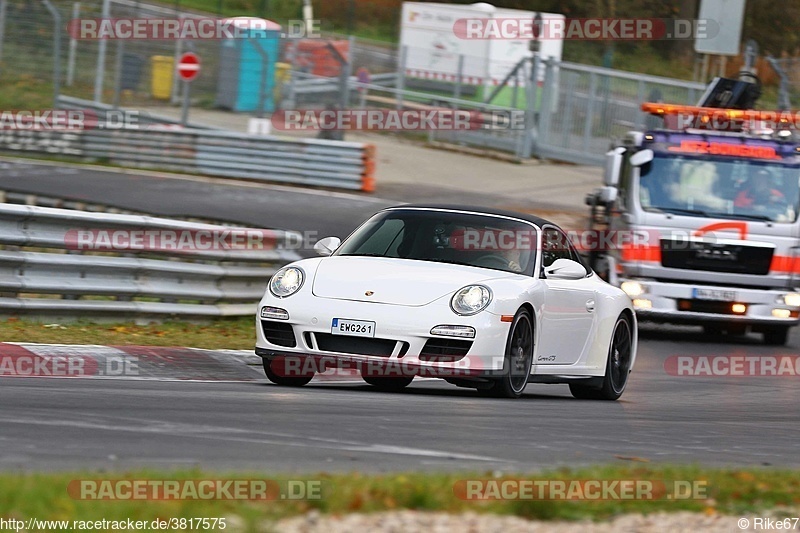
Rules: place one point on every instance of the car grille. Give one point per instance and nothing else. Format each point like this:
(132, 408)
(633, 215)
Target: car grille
(328, 342)
(279, 333)
(444, 350)
(729, 258)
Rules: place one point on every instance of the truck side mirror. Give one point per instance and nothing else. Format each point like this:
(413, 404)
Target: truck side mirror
(642, 157)
(613, 166)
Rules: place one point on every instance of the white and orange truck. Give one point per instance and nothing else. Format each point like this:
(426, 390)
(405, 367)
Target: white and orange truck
(712, 203)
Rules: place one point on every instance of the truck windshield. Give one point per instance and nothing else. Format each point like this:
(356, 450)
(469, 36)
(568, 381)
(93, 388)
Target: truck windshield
(721, 188)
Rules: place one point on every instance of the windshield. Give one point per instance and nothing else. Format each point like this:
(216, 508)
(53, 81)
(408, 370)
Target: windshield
(738, 189)
(446, 237)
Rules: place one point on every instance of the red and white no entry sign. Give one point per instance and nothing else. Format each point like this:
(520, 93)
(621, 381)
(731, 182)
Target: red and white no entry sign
(189, 66)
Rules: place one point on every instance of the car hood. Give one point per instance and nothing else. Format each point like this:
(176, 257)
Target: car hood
(394, 281)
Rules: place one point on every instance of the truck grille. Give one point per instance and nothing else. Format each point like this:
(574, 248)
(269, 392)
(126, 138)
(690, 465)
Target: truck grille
(729, 258)
(706, 306)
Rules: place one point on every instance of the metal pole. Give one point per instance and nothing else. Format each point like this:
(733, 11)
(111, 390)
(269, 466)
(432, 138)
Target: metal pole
(516, 89)
(175, 80)
(118, 72)
(101, 57)
(401, 76)
(3, 6)
(459, 77)
(73, 45)
(529, 146)
(589, 122)
(185, 105)
(56, 51)
(704, 69)
(348, 71)
(566, 117)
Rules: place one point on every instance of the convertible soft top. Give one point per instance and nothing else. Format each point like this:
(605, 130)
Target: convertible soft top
(478, 210)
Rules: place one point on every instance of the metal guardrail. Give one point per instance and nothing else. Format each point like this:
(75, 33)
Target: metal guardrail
(315, 162)
(43, 273)
(144, 117)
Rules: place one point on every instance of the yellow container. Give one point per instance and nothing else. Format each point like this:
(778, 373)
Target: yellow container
(283, 74)
(161, 80)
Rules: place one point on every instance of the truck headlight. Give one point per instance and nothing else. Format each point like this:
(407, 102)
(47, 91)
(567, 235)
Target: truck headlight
(792, 299)
(286, 282)
(633, 288)
(471, 300)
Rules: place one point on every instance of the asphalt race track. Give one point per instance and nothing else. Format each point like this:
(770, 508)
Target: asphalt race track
(245, 422)
(219, 412)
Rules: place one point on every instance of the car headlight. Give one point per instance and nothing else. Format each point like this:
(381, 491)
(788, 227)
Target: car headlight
(286, 282)
(792, 299)
(633, 288)
(471, 299)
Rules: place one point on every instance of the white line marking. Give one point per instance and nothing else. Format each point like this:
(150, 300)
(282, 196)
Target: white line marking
(202, 432)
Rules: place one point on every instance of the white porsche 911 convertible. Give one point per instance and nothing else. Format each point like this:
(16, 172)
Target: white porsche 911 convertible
(486, 299)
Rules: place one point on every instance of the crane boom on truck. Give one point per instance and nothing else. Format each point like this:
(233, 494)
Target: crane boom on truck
(712, 202)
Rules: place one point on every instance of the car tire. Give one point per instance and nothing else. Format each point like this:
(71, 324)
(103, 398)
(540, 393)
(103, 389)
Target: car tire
(776, 336)
(618, 366)
(389, 384)
(286, 381)
(518, 358)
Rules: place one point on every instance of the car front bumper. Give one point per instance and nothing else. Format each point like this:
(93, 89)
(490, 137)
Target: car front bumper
(408, 327)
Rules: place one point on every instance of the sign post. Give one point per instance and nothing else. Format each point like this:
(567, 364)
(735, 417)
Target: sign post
(188, 69)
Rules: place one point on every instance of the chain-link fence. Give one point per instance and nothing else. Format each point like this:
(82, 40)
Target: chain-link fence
(571, 112)
(584, 108)
(788, 70)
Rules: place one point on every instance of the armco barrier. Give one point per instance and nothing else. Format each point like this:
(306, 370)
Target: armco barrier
(43, 274)
(316, 162)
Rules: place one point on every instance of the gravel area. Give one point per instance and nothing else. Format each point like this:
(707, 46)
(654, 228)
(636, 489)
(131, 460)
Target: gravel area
(405, 521)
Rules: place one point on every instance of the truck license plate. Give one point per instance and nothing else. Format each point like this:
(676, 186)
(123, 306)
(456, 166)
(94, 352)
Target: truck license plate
(714, 294)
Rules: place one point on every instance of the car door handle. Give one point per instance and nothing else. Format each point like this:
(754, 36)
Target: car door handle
(590, 305)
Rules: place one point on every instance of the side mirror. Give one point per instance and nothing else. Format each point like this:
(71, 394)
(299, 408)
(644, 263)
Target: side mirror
(613, 166)
(327, 246)
(642, 157)
(565, 269)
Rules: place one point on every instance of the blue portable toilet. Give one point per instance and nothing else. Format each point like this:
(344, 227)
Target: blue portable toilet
(247, 65)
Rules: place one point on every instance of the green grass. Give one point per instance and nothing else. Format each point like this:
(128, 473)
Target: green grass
(732, 492)
(233, 333)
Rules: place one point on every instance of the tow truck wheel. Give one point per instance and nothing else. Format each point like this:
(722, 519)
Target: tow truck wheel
(776, 336)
